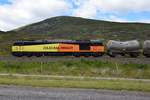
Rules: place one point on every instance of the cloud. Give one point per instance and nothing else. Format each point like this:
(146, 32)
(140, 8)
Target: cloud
(122, 5)
(18, 13)
(22, 12)
(85, 11)
(116, 19)
(115, 8)
(77, 2)
(144, 20)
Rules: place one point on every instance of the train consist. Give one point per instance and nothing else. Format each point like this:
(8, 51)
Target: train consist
(78, 48)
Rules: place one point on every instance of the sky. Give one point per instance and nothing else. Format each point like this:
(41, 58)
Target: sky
(17, 13)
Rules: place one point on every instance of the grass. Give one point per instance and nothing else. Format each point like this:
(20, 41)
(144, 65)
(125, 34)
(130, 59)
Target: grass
(87, 84)
(81, 67)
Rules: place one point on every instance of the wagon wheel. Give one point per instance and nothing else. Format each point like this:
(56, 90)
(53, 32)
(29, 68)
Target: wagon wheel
(134, 55)
(111, 54)
(147, 55)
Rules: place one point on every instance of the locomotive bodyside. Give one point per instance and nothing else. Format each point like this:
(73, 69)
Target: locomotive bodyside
(58, 48)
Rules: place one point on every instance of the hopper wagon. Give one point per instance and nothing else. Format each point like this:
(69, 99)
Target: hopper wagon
(131, 48)
(146, 48)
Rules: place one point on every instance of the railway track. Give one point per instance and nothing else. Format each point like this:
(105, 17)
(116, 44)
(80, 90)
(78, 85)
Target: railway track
(119, 59)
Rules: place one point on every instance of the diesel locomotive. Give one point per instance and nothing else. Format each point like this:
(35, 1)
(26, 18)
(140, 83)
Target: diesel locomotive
(58, 48)
(78, 48)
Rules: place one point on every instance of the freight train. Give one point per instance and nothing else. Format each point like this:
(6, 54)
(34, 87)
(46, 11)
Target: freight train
(78, 48)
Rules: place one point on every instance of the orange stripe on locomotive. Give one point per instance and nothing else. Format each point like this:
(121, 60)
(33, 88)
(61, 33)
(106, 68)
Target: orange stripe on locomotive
(68, 48)
(76, 48)
(97, 48)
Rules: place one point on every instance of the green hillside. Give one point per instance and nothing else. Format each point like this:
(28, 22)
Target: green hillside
(1, 32)
(64, 27)
(80, 28)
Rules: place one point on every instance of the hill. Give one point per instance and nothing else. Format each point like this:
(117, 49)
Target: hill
(1, 32)
(80, 28)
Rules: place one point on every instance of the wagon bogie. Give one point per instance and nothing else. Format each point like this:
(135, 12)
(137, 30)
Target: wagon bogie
(146, 48)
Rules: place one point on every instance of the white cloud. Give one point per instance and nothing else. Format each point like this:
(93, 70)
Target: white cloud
(144, 20)
(94, 8)
(22, 12)
(77, 2)
(85, 11)
(122, 5)
(116, 19)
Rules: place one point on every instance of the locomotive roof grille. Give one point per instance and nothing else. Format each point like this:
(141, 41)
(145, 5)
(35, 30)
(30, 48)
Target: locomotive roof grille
(57, 41)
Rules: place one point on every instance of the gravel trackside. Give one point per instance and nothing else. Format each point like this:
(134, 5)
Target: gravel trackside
(30, 93)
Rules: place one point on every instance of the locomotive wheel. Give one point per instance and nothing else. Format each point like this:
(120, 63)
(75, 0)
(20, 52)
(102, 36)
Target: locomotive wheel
(18, 54)
(29, 55)
(77, 55)
(95, 55)
(101, 54)
(38, 55)
(86, 55)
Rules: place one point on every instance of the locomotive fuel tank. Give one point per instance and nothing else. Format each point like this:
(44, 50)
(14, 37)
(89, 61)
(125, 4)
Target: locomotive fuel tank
(123, 47)
(146, 48)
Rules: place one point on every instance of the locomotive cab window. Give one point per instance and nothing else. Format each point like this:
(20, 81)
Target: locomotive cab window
(84, 46)
(18, 44)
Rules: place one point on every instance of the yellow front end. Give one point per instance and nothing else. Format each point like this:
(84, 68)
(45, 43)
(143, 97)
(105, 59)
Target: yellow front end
(36, 48)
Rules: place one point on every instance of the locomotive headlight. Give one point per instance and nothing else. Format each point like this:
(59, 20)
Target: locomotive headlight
(15, 48)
